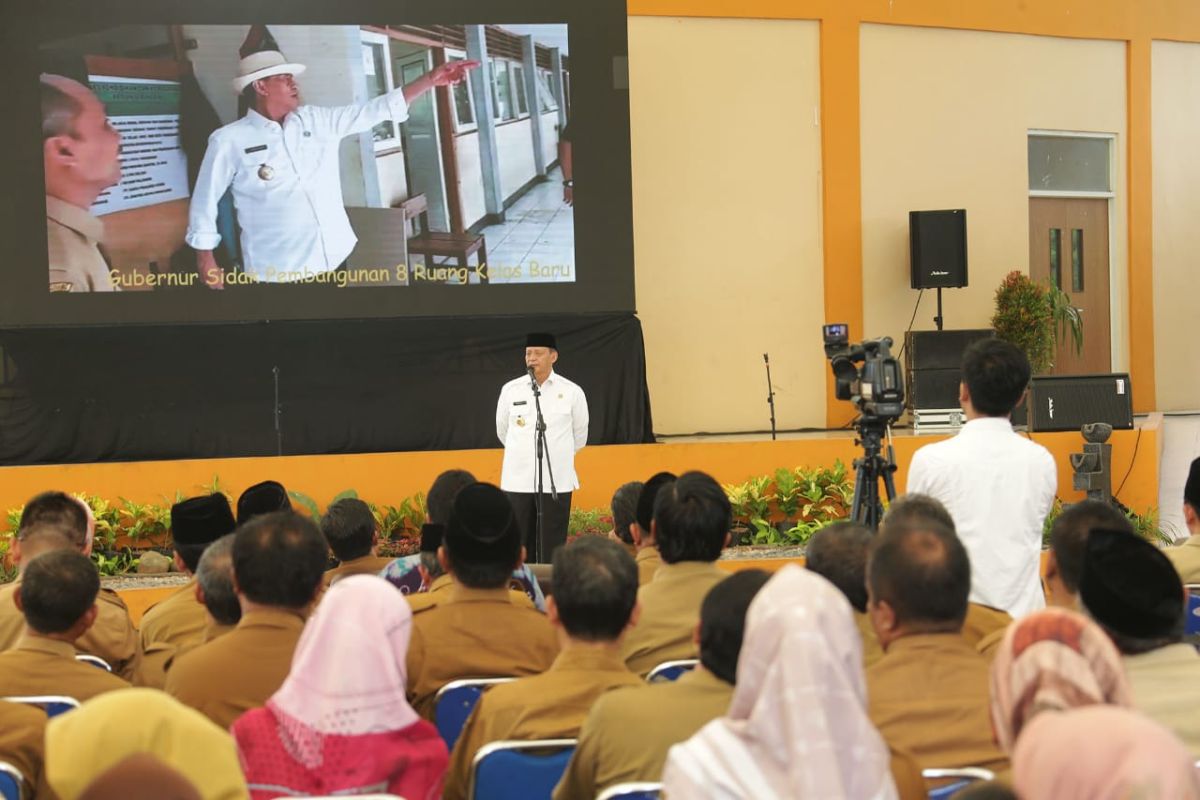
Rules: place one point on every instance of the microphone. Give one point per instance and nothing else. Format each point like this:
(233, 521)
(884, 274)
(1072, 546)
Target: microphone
(532, 377)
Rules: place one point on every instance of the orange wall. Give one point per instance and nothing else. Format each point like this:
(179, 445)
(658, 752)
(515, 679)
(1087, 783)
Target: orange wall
(1135, 22)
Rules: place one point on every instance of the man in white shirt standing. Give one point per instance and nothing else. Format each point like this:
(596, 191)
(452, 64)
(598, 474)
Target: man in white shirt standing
(565, 411)
(997, 485)
(281, 161)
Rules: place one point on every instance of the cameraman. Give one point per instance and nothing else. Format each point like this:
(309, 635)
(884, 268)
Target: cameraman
(997, 485)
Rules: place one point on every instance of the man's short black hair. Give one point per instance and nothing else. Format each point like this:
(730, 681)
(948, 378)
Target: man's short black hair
(349, 527)
(624, 509)
(57, 588)
(839, 554)
(214, 573)
(60, 508)
(996, 373)
(440, 499)
(916, 509)
(492, 575)
(1068, 536)
(595, 588)
(647, 497)
(924, 574)
(692, 517)
(279, 559)
(723, 621)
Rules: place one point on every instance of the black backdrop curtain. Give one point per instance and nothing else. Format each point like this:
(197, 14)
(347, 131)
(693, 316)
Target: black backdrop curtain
(348, 386)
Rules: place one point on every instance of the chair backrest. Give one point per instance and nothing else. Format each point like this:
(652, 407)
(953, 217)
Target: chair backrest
(640, 790)
(52, 704)
(95, 661)
(454, 702)
(417, 206)
(958, 777)
(519, 770)
(1193, 609)
(12, 782)
(671, 670)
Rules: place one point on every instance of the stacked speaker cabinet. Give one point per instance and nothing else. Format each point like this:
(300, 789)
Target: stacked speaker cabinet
(937, 242)
(933, 362)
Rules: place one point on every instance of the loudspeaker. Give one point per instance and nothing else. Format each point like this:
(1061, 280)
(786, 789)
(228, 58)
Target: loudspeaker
(937, 243)
(933, 361)
(1067, 402)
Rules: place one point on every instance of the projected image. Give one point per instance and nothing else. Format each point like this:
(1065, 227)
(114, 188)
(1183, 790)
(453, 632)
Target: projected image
(219, 157)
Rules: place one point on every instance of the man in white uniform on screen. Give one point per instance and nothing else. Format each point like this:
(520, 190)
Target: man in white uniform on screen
(565, 410)
(997, 485)
(281, 161)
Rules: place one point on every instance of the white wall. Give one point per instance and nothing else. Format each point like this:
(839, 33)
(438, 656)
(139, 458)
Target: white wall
(514, 146)
(470, 178)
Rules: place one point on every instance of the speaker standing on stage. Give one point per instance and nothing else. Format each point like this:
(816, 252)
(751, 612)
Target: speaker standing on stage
(565, 411)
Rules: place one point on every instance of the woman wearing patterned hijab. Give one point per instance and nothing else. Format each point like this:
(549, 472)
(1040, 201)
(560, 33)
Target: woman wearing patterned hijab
(797, 726)
(340, 722)
(1053, 660)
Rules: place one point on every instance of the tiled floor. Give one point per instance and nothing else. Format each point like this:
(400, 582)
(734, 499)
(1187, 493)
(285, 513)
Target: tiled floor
(536, 242)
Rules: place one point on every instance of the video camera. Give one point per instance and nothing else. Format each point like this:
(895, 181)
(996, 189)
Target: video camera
(877, 389)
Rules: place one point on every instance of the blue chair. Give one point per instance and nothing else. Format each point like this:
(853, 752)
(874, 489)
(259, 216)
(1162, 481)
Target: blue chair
(12, 782)
(671, 670)
(959, 778)
(1193, 609)
(95, 661)
(516, 770)
(640, 790)
(454, 702)
(52, 704)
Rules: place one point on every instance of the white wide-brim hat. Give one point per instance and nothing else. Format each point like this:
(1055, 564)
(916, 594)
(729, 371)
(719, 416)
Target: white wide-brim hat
(263, 64)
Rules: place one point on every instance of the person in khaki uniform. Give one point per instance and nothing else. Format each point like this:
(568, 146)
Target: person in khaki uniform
(1186, 556)
(839, 555)
(648, 558)
(177, 624)
(57, 597)
(349, 528)
(22, 734)
(438, 580)
(593, 605)
(216, 592)
(628, 732)
(623, 507)
(278, 561)
(929, 694)
(113, 637)
(477, 631)
(691, 526)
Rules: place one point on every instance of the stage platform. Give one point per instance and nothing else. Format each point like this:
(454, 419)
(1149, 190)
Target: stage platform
(387, 478)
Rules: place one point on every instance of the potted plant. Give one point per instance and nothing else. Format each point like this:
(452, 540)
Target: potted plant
(787, 497)
(1035, 317)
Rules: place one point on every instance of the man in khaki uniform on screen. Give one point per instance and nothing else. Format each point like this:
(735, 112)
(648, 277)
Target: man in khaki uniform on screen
(477, 631)
(278, 561)
(691, 526)
(594, 603)
(57, 597)
(56, 520)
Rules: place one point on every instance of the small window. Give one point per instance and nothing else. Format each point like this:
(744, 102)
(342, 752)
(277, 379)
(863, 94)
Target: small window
(502, 90)
(377, 68)
(464, 104)
(1077, 259)
(518, 81)
(1056, 257)
(546, 98)
(1069, 164)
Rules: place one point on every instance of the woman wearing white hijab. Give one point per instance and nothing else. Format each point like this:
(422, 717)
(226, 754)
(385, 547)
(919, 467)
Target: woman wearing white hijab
(797, 727)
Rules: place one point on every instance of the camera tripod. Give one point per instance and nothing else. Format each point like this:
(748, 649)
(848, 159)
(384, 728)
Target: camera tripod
(872, 467)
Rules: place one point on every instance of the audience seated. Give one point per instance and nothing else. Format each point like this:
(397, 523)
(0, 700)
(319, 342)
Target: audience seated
(627, 733)
(644, 541)
(477, 631)
(1068, 543)
(984, 626)
(839, 555)
(797, 727)
(177, 624)
(624, 514)
(278, 561)
(350, 529)
(262, 498)
(593, 605)
(1052, 660)
(1133, 591)
(691, 527)
(113, 637)
(1186, 556)
(22, 734)
(997, 485)
(928, 695)
(85, 744)
(1101, 752)
(437, 581)
(57, 597)
(340, 723)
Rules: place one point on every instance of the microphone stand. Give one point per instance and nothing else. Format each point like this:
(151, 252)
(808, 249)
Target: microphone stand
(541, 450)
(770, 395)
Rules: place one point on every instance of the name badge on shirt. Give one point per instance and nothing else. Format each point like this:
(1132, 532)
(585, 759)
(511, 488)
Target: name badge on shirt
(257, 149)
(520, 402)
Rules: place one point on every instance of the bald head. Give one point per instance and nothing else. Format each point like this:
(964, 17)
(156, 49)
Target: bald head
(79, 146)
(42, 537)
(923, 574)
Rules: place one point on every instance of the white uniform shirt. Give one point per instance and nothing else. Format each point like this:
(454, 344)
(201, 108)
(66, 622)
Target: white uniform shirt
(286, 186)
(565, 410)
(998, 486)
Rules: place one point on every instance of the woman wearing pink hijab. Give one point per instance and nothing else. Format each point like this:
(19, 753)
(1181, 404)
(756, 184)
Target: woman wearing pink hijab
(340, 723)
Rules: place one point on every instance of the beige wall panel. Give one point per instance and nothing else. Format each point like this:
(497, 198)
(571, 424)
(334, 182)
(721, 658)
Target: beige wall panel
(727, 219)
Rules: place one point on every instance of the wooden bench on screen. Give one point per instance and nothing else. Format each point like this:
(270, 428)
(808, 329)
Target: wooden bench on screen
(427, 243)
